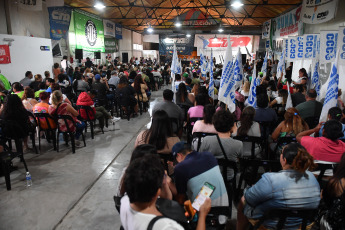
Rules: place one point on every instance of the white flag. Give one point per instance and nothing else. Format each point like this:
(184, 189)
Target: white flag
(264, 65)
(332, 91)
(251, 100)
(281, 64)
(238, 71)
(227, 67)
(211, 84)
(174, 68)
(203, 64)
(315, 81)
(289, 100)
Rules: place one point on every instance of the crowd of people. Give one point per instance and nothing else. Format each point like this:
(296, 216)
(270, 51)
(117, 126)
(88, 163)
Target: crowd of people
(166, 164)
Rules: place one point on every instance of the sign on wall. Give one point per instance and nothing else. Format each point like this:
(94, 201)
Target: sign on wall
(109, 28)
(118, 31)
(328, 46)
(311, 46)
(318, 11)
(89, 32)
(287, 24)
(5, 56)
(266, 29)
(111, 45)
(59, 20)
(184, 46)
(32, 5)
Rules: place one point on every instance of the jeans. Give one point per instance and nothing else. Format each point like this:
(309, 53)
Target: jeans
(101, 115)
(79, 129)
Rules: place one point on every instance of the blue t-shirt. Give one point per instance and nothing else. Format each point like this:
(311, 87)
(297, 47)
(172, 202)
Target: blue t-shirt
(196, 169)
(49, 90)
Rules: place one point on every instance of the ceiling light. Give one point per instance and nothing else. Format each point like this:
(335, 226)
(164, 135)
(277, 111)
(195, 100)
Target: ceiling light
(188, 35)
(220, 29)
(178, 24)
(99, 5)
(237, 4)
(150, 30)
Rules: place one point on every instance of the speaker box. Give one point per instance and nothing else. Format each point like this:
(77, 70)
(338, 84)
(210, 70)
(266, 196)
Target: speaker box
(97, 55)
(79, 54)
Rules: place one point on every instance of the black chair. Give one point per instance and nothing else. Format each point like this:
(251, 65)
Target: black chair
(266, 128)
(255, 141)
(312, 121)
(140, 99)
(307, 215)
(199, 136)
(190, 126)
(113, 103)
(49, 131)
(176, 126)
(185, 109)
(282, 141)
(32, 130)
(322, 167)
(68, 132)
(129, 109)
(88, 110)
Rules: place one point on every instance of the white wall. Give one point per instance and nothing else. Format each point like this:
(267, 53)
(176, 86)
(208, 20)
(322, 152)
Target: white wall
(3, 25)
(126, 44)
(153, 38)
(26, 55)
(137, 38)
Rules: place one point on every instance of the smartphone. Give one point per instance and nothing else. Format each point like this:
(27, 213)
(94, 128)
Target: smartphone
(206, 191)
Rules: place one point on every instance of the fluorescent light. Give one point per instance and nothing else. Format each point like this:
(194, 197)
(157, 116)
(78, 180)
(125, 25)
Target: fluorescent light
(178, 24)
(188, 35)
(150, 30)
(237, 4)
(220, 30)
(99, 5)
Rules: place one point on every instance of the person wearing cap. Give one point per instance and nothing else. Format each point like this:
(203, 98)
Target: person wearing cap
(114, 79)
(193, 170)
(101, 88)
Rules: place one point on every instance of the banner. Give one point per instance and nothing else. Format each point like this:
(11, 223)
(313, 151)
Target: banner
(174, 68)
(32, 5)
(5, 56)
(318, 11)
(341, 44)
(251, 100)
(111, 45)
(118, 31)
(315, 79)
(203, 64)
(288, 24)
(109, 28)
(264, 65)
(328, 46)
(211, 84)
(292, 56)
(286, 49)
(226, 73)
(266, 29)
(311, 44)
(59, 20)
(89, 32)
(184, 46)
(238, 70)
(299, 54)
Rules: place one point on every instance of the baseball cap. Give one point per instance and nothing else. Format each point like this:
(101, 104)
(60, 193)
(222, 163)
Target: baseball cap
(178, 147)
(98, 77)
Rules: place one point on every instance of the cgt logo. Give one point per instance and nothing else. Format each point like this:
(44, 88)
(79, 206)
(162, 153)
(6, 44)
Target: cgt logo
(91, 32)
(292, 48)
(60, 16)
(309, 46)
(331, 44)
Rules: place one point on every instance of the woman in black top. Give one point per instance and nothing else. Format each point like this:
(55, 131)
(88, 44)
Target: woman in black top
(126, 95)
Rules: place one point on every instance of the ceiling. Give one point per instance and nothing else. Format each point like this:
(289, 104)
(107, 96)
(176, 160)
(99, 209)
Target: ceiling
(198, 16)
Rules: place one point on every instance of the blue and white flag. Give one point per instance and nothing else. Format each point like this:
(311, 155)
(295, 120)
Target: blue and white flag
(211, 84)
(281, 64)
(332, 91)
(251, 100)
(289, 100)
(292, 48)
(203, 64)
(179, 68)
(315, 81)
(264, 65)
(328, 46)
(174, 68)
(300, 50)
(226, 73)
(238, 69)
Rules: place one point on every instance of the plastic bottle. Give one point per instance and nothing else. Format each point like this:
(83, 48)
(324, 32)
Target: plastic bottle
(28, 180)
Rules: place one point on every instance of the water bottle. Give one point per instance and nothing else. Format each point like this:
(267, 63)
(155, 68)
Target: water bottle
(28, 180)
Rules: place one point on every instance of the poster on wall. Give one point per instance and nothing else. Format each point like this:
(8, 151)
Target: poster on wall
(118, 31)
(111, 45)
(328, 46)
(32, 5)
(341, 44)
(109, 28)
(89, 32)
(59, 19)
(318, 11)
(288, 24)
(311, 46)
(5, 57)
(184, 46)
(266, 29)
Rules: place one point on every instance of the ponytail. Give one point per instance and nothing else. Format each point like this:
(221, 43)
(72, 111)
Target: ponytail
(298, 158)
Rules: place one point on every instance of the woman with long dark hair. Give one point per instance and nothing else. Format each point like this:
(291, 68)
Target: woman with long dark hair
(183, 97)
(302, 77)
(140, 88)
(126, 94)
(160, 133)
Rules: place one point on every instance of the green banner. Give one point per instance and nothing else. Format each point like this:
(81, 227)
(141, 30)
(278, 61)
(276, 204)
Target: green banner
(89, 31)
(111, 45)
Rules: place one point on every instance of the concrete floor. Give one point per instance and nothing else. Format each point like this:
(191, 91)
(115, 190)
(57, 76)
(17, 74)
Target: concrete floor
(72, 191)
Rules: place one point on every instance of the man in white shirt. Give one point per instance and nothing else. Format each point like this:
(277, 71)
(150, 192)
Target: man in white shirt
(65, 64)
(114, 79)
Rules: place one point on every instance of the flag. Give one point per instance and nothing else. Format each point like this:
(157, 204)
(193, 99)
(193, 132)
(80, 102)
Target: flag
(289, 100)
(179, 68)
(174, 67)
(211, 84)
(227, 67)
(203, 65)
(332, 90)
(238, 70)
(248, 52)
(281, 65)
(264, 65)
(315, 82)
(251, 100)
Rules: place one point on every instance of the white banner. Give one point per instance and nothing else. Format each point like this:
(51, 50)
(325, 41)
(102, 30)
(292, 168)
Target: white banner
(286, 48)
(211, 83)
(251, 100)
(300, 50)
(318, 11)
(292, 54)
(310, 45)
(109, 28)
(266, 29)
(341, 45)
(227, 67)
(33, 5)
(328, 46)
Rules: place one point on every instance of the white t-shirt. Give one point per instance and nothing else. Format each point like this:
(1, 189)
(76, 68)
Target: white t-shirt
(133, 220)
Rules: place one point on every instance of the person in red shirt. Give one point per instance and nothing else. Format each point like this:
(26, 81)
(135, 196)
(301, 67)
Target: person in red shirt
(326, 148)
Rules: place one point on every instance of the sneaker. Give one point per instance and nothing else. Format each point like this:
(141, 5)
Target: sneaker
(78, 144)
(115, 119)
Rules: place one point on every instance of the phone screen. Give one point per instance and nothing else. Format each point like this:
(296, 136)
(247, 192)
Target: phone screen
(206, 191)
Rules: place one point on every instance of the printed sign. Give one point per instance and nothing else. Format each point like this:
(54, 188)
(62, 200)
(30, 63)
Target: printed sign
(318, 11)
(109, 28)
(300, 47)
(328, 46)
(341, 44)
(287, 24)
(118, 31)
(310, 46)
(184, 46)
(32, 5)
(111, 45)
(5, 57)
(292, 54)
(45, 48)
(266, 29)
(59, 20)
